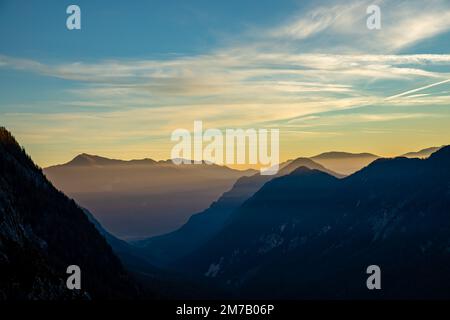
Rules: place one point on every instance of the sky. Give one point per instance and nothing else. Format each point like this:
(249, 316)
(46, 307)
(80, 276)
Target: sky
(138, 70)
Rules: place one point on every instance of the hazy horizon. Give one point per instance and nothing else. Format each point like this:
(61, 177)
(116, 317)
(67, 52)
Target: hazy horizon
(236, 166)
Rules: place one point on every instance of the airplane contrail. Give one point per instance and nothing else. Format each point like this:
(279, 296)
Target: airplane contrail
(415, 90)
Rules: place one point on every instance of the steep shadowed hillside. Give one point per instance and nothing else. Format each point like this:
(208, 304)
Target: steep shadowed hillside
(42, 232)
(310, 235)
(168, 285)
(166, 249)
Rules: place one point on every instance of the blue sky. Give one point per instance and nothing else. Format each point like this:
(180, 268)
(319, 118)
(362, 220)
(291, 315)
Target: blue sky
(138, 70)
(137, 29)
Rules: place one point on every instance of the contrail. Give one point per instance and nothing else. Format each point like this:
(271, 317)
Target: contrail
(415, 90)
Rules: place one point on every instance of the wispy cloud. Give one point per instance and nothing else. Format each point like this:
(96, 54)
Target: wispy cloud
(417, 90)
(341, 25)
(294, 75)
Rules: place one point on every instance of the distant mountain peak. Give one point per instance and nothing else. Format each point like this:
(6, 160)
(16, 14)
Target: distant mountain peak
(424, 153)
(85, 159)
(303, 160)
(308, 172)
(308, 163)
(340, 154)
(89, 157)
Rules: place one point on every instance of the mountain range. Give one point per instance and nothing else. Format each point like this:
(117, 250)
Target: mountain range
(165, 250)
(134, 198)
(311, 235)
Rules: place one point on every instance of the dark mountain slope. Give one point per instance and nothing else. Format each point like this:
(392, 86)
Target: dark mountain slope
(42, 232)
(309, 235)
(165, 250)
(130, 256)
(168, 285)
